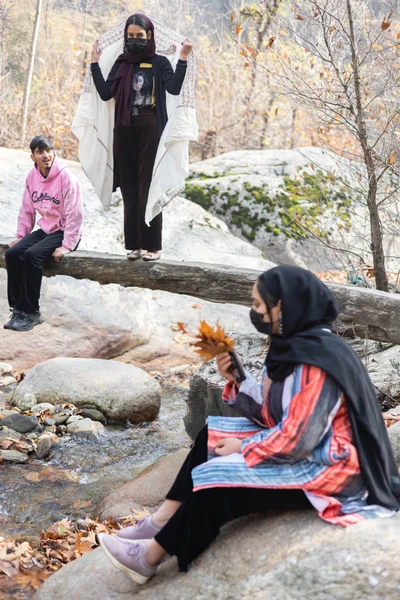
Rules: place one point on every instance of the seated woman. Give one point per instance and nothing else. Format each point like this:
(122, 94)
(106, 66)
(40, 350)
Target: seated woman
(312, 435)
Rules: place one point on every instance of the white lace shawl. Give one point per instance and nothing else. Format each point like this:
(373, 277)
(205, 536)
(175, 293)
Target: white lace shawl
(93, 125)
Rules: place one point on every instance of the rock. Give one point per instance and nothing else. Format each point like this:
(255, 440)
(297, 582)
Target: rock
(32, 436)
(13, 456)
(381, 369)
(49, 422)
(27, 401)
(45, 443)
(60, 418)
(149, 488)
(394, 436)
(4, 412)
(95, 415)
(206, 386)
(248, 188)
(86, 428)
(119, 391)
(38, 408)
(93, 327)
(303, 558)
(20, 423)
(5, 369)
(73, 418)
(6, 434)
(7, 380)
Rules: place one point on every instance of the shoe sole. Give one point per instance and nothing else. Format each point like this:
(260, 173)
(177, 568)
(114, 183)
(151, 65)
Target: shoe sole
(26, 328)
(141, 579)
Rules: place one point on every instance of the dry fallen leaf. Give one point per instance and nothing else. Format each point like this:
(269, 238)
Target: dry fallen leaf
(82, 504)
(209, 342)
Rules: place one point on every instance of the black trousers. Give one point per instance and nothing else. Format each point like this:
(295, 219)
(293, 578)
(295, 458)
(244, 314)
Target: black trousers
(24, 263)
(135, 150)
(198, 520)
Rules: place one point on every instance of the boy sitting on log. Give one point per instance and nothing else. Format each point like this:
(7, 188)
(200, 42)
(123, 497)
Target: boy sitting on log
(52, 191)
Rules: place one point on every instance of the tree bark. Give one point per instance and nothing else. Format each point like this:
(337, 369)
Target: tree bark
(28, 82)
(364, 313)
(378, 255)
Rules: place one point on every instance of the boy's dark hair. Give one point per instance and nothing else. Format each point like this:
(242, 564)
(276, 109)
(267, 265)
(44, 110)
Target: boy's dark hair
(41, 142)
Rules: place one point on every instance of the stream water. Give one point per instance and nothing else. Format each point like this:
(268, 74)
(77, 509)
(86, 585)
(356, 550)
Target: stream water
(38, 493)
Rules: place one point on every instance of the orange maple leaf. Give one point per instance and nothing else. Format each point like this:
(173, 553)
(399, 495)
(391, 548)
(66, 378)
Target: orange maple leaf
(211, 341)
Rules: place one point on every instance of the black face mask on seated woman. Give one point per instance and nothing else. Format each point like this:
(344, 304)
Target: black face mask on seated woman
(308, 311)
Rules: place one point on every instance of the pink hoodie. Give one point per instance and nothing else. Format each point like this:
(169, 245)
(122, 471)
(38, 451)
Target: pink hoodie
(58, 201)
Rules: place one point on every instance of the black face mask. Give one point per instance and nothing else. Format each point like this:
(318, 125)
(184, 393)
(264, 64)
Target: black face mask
(257, 319)
(135, 44)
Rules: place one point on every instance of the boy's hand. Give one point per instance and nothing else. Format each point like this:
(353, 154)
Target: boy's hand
(59, 253)
(11, 244)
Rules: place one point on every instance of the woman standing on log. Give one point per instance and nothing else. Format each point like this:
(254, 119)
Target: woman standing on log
(138, 82)
(311, 435)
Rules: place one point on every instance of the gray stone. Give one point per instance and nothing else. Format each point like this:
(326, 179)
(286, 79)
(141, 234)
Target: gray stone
(60, 418)
(149, 488)
(26, 401)
(5, 369)
(4, 412)
(13, 456)
(282, 556)
(45, 443)
(86, 428)
(206, 386)
(394, 436)
(6, 433)
(119, 391)
(38, 408)
(95, 415)
(49, 422)
(7, 380)
(20, 423)
(73, 418)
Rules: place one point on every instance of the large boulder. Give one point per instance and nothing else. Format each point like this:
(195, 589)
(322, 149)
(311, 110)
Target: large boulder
(283, 556)
(148, 489)
(206, 386)
(122, 392)
(263, 195)
(87, 320)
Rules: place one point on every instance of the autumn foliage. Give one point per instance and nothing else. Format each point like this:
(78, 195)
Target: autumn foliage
(210, 341)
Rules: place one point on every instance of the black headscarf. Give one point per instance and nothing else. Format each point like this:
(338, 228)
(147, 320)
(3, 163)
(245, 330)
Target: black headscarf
(121, 88)
(308, 311)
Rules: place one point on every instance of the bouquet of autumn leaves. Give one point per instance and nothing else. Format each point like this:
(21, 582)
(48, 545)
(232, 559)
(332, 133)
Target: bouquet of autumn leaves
(209, 341)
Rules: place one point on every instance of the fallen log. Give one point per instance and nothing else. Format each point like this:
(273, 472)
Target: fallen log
(364, 312)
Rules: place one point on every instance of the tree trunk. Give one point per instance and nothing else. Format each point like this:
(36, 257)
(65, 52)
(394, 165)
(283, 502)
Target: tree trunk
(363, 312)
(29, 74)
(378, 255)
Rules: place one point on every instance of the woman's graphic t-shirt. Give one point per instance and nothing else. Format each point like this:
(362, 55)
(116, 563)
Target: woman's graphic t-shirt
(143, 86)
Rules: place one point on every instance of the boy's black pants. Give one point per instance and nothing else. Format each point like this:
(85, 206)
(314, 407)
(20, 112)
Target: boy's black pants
(24, 263)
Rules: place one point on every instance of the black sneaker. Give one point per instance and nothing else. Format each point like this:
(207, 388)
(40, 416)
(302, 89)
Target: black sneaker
(16, 314)
(27, 321)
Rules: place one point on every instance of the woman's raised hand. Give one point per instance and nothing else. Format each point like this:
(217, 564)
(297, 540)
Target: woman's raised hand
(96, 52)
(187, 46)
(224, 364)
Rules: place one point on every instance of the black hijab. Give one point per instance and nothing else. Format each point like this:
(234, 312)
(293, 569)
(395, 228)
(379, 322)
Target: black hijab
(121, 88)
(308, 311)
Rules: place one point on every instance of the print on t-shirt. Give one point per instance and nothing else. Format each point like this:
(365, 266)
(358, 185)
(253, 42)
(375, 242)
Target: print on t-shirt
(142, 88)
